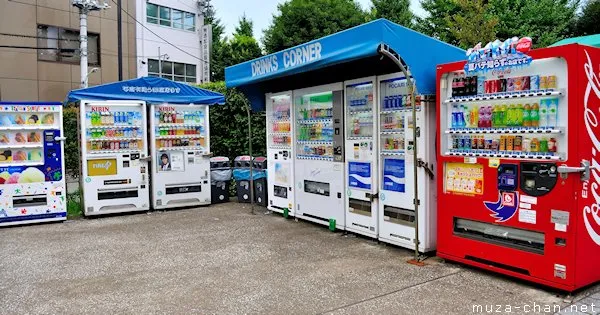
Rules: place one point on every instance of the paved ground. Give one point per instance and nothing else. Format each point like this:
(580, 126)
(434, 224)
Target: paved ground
(221, 259)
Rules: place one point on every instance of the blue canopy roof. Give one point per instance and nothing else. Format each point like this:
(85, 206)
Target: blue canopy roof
(421, 53)
(151, 90)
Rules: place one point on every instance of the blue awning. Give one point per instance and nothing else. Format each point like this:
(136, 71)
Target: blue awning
(151, 90)
(420, 52)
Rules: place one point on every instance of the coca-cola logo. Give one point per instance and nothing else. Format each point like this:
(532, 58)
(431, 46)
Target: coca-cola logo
(524, 44)
(591, 213)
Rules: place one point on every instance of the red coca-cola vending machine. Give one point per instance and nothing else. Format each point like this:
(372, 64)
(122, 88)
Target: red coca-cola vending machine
(519, 152)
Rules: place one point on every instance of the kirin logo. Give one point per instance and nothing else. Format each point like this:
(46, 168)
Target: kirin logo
(506, 206)
(592, 210)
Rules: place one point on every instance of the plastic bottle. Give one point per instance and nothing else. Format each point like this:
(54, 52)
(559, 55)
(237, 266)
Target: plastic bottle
(526, 115)
(535, 145)
(474, 117)
(454, 122)
(553, 113)
(511, 116)
(519, 115)
(543, 114)
(502, 116)
(535, 116)
(544, 144)
(488, 116)
(481, 118)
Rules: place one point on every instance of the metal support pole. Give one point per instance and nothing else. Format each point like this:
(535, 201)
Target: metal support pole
(119, 40)
(385, 50)
(83, 41)
(249, 110)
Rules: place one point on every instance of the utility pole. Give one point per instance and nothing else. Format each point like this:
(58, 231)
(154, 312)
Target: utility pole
(85, 7)
(120, 40)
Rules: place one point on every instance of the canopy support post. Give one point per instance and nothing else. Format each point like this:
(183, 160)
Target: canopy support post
(249, 111)
(385, 50)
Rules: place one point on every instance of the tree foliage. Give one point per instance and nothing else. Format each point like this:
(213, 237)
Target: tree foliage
(589, 20)
(229, 125)
(397, 11)
(435, 24)
(300, 21)
(243, 46)
(472, 25)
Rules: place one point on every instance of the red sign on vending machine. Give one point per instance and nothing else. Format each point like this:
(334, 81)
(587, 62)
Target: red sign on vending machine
(538, 218)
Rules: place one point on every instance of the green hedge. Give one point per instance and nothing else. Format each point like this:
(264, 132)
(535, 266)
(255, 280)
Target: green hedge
(70, 115)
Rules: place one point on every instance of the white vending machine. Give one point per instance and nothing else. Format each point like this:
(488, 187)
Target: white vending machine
(280, 153)
(361, 156)
(114, 170)
(180, 151)
(396, 166)
(32, 166)
(319, 156)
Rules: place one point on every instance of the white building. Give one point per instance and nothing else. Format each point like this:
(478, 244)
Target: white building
(181, 23)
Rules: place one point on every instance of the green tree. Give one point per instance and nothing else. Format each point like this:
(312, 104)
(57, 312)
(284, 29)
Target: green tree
(243, 46)
(589, 20)
(435, 24)
(300, 21)
(472, 25)
(545, 21)
(397, 11)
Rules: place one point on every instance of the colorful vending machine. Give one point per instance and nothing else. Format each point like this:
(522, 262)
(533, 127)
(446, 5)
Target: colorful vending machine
(518, 176)
(32, 168)
(114, 170)
(180, 153)
(361, 156)
(319, 156)
(280, 153)
(397, 221)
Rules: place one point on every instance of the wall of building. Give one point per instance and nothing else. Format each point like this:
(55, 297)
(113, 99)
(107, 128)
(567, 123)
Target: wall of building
(24, 77)
(148, 44)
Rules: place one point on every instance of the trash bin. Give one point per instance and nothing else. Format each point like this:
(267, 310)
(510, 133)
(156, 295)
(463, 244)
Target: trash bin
(220, 177)
(241, 174)
(260, 180)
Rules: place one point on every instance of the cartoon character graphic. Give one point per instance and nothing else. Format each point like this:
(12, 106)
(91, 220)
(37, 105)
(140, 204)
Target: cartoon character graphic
(506, 206)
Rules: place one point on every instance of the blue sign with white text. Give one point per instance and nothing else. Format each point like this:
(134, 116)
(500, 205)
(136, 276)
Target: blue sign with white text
(394, 173)
(359, 175)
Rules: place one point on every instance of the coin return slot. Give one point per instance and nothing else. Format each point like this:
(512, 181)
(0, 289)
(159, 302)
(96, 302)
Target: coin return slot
(560, 241)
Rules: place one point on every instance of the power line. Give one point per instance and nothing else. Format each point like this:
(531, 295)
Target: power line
(153, 33)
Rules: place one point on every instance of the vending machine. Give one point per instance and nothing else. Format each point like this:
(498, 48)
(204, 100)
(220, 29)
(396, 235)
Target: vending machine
(518, 176)
(114, 170)
(319, 156)
(361, 156)
(180, 151)
(397, 167)
(280, 153)
(32, 167)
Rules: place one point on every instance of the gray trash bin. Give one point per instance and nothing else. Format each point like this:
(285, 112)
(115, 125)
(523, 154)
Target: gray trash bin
(259, 173)
(220, 179)
(241, 165)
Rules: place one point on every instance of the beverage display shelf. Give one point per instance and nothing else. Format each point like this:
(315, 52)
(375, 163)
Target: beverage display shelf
(398, 109)
(92, 152)
(315, 157)
(113, 126)
(116, 139)
(392, 152)
(315, 141)
(360, 111)
(509, 155)
(194, 148)
(505, 96)
(283, 147)
(279, 119)
(28, 127)
(280, 133)
(21, 146)
(360, 137)
(180, 125)
(315, 120)
(179, 137)
(392, 132)
(523, 130)
(22, 163)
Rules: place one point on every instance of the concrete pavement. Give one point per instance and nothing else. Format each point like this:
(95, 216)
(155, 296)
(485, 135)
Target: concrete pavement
(220, 259)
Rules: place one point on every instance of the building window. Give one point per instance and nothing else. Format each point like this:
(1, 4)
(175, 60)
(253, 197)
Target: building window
(175, 71)
(174, 18)
(63, 45)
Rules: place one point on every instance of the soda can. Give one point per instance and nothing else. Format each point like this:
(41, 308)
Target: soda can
(543, 83)
(502, 87)
(494, 87)
(488, 144)
(467, 143)
(526, 83)
(455, 143)
(534, 82)
(518, 143)
(480, 85)
(480, 143)
(461, 143)
(510, 85)
(487, 86)
(473, 142)
(551, 81)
